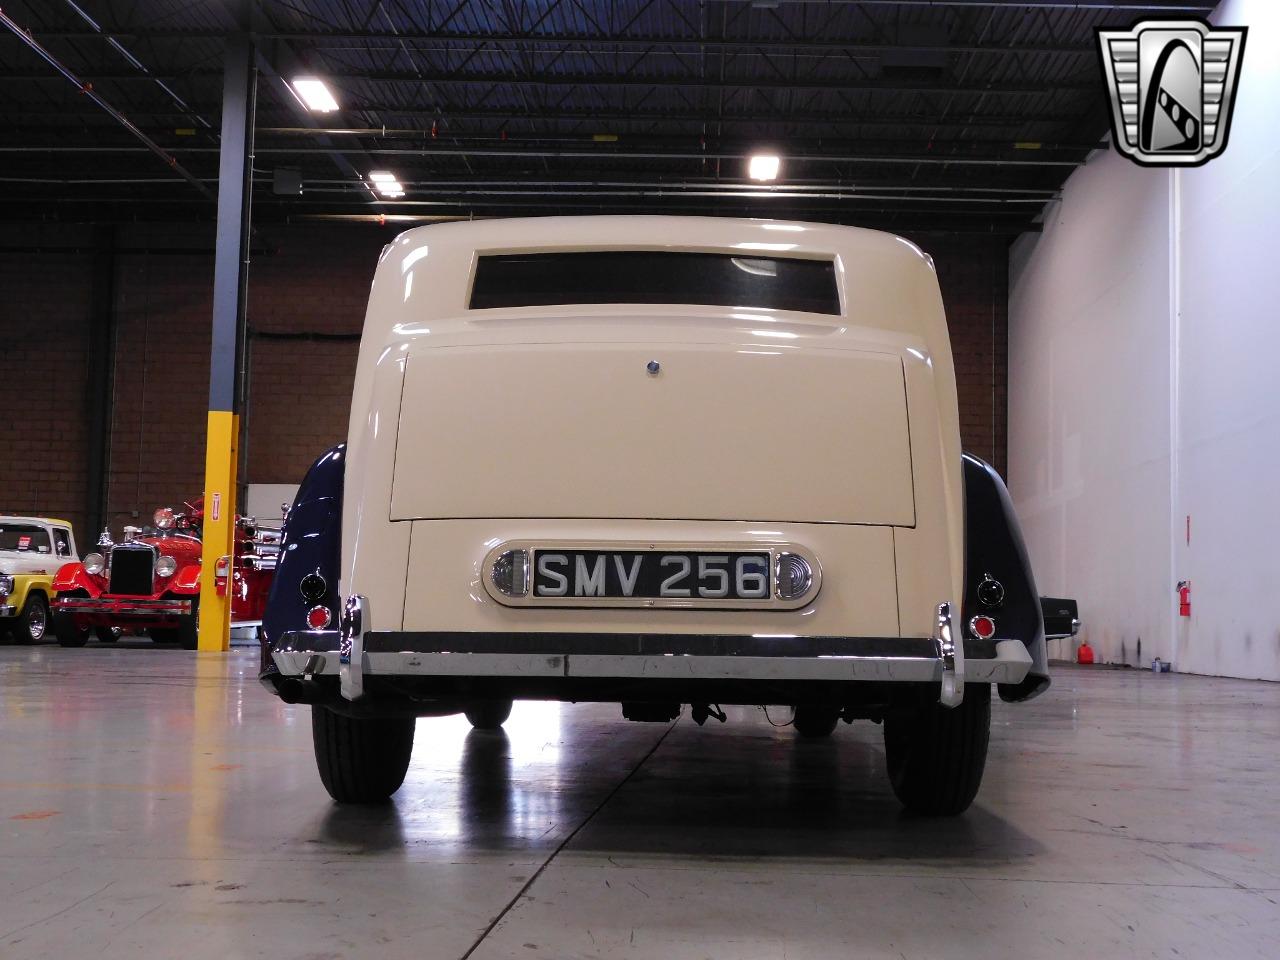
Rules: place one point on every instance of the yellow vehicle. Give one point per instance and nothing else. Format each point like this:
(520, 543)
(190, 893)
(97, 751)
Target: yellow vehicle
(31, 551)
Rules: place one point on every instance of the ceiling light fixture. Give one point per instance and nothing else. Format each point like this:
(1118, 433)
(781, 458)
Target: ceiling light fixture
(314, 94)
(763, 166)
(386, 183)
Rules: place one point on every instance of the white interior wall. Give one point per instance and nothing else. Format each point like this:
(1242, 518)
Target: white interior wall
(1144, 320)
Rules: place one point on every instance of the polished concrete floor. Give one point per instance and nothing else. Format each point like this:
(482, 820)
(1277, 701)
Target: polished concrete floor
(155, 803)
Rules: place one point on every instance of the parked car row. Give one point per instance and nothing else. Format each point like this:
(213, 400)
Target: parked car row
(148, 582)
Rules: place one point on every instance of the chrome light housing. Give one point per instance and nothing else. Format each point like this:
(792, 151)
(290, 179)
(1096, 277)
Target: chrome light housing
(990, 592)
(792, 576)
(510, 573)
(312, 587)
(6, 585)
(166, 566)
(94, 563)
(163, 518)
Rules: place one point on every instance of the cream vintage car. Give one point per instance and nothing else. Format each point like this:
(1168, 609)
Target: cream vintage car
(657, 461)
(31, 551)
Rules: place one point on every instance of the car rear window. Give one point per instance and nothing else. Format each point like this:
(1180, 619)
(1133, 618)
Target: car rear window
(643, 276)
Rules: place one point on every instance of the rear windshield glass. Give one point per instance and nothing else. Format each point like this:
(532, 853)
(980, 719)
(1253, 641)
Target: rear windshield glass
(717, 279)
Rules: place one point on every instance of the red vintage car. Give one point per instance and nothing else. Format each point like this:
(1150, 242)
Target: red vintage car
(150, 581)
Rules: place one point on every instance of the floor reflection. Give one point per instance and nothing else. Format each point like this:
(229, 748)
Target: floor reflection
(741, 790)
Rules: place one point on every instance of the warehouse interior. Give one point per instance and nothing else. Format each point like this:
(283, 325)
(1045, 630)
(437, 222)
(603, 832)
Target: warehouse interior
(1112, 327)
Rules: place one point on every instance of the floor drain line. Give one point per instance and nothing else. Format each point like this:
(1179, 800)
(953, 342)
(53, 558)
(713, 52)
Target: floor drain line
(564, 843)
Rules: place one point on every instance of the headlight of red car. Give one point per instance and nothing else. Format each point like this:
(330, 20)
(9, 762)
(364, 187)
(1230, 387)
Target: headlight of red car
(94, 563)
(166, 566)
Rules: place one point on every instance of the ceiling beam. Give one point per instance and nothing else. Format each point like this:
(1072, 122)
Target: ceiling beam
(992, 88)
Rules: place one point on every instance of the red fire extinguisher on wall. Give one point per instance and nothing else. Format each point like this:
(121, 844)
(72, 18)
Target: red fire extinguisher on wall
(1184, 598)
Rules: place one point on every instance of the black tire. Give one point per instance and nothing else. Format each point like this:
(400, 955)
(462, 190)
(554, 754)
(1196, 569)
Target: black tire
(188, 632)
(936, 755)
(105, 634)
(65, 629)
(815, 722)
(33, 622)
(361, 760)
(488, 714)
(165, 636)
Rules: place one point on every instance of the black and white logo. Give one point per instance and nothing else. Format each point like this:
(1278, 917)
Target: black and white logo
(1172, 85)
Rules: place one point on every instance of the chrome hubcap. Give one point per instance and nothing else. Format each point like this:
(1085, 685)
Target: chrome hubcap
(35, 623)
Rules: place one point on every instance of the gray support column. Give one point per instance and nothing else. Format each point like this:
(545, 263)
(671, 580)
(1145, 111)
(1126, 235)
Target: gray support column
(231, 252)
(226, 357)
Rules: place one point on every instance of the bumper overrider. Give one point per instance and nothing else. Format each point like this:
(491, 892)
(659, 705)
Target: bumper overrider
(355, 653)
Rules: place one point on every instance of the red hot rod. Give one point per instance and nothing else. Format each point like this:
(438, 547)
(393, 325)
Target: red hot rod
(150, 581)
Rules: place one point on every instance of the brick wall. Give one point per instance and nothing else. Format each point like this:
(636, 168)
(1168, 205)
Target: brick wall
(973, 274)
(308, 286)
(44, 339)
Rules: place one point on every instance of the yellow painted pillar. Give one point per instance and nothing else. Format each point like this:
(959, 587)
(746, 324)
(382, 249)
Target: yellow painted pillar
(219, 527)
(226, 350)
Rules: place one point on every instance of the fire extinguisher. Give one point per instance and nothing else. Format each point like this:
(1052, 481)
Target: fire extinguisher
(1184, 598)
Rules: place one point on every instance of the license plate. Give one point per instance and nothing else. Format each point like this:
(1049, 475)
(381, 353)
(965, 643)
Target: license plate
(651, 574)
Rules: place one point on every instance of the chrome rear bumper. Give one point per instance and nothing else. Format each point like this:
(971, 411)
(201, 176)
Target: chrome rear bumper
(355, 652)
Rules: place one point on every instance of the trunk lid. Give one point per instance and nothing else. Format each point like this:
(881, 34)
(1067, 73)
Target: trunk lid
(722, 431)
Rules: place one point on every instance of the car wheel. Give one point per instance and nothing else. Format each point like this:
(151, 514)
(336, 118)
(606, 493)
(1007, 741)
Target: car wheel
(165, 636)
(106, 634)
(815, 722)
(361, 760)
(33, 621)
(936, 754)
(69, 634)
(488, 714)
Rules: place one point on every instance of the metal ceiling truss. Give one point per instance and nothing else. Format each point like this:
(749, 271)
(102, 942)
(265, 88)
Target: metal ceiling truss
(975, 110)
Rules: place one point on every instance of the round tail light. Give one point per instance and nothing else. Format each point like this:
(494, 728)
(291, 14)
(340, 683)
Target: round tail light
(318, 618)
(982, 627)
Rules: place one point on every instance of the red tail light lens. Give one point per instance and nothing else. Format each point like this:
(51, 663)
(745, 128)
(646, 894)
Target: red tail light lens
(982, 627)
(318, 618)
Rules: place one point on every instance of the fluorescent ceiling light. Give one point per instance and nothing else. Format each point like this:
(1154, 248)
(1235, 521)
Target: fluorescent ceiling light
(763, 166)
(386, 183)
(314, 94)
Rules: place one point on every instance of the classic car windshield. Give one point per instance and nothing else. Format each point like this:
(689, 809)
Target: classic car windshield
(647, 276)
(24, 538)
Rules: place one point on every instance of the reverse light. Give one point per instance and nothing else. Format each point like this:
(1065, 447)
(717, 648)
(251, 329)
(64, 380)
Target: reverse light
(319, 617)
(94, 563)
(166, 566)
(314, 94)
(312, 587)
(990, 592)
(982, 627)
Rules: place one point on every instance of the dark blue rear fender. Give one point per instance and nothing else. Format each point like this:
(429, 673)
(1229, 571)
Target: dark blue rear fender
(993, 545)
(311, 543)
